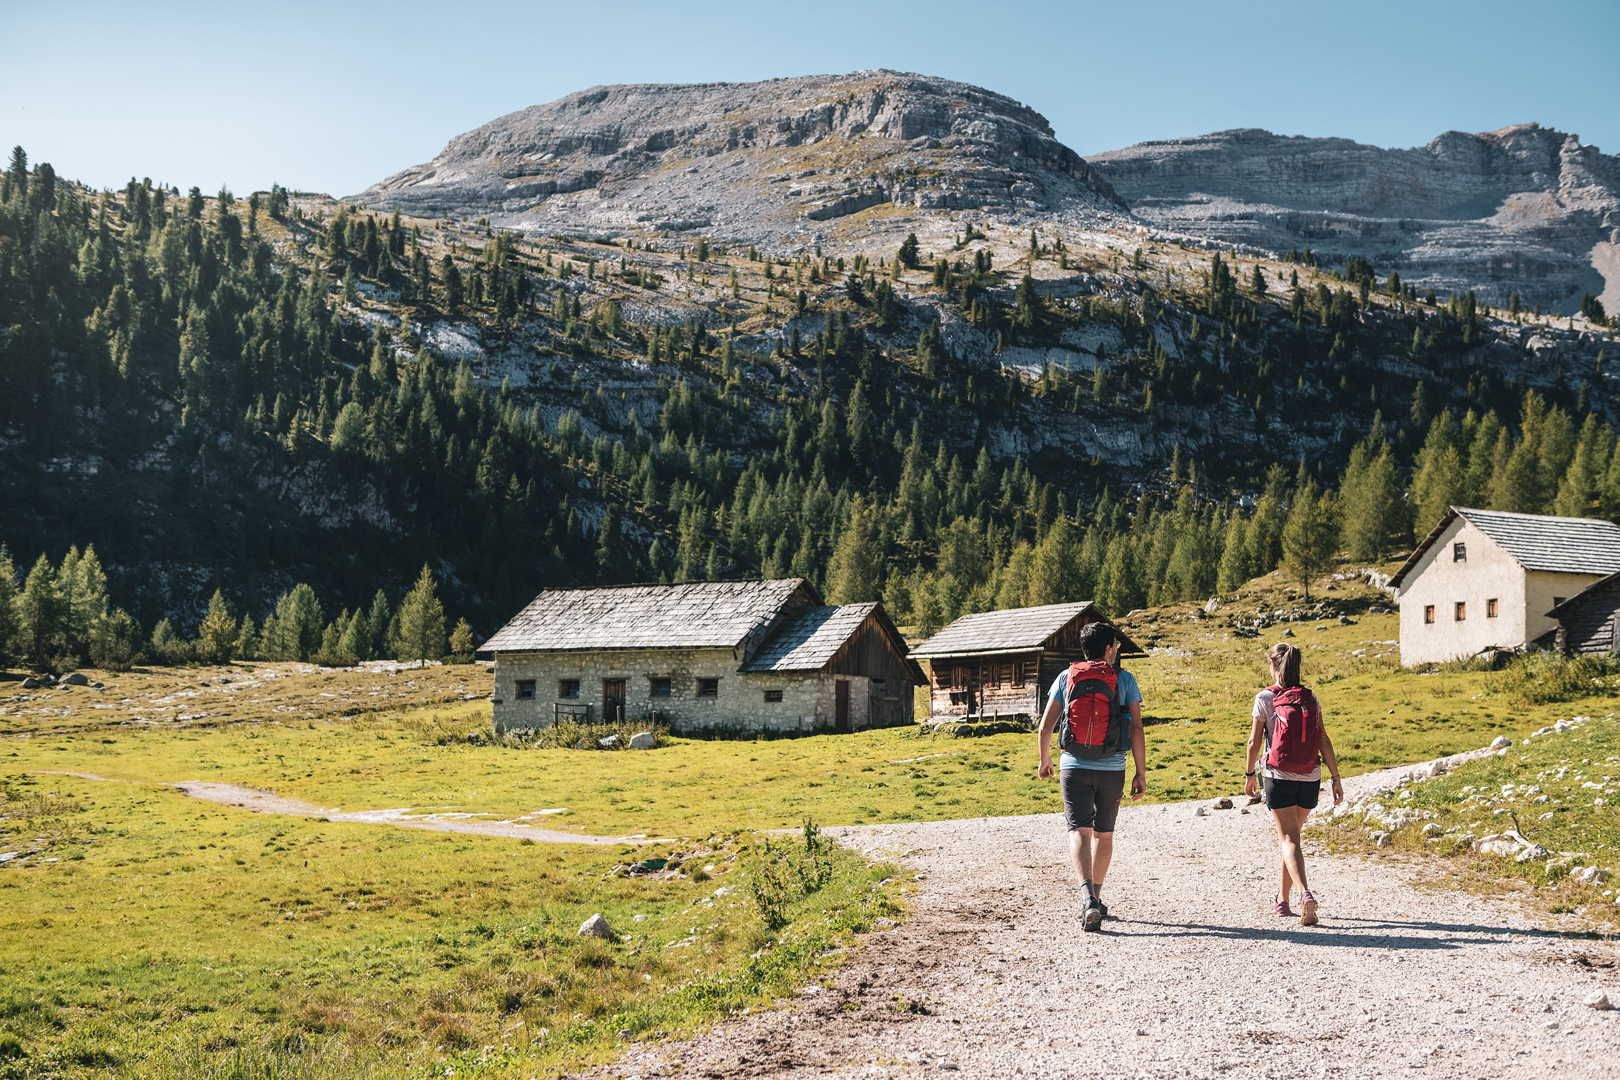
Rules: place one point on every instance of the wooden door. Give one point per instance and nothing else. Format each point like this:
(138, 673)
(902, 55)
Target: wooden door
(841, 705)
(612, 700)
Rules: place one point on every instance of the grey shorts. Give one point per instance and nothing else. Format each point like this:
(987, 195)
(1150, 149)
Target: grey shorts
(1091, 798)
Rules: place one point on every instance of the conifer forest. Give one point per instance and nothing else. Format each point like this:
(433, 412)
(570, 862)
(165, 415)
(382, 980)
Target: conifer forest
(229, 426)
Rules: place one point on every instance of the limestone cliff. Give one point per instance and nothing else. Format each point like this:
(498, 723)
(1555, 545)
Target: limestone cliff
(763, 162)
(1524, 209)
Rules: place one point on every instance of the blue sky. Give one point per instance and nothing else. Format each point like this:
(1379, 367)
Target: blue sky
(331, 97)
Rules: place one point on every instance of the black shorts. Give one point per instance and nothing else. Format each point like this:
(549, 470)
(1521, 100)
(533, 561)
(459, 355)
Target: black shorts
(1091, 798)
(1281, 793)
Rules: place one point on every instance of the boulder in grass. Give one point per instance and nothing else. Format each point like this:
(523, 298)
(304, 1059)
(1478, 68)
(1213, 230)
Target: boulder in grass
(643, 740)
(609, 743)
(596, 927)
(76, 679)
(30, 683)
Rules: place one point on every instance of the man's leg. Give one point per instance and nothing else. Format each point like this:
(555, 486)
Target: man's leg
(1080, 855)
(1102, 854)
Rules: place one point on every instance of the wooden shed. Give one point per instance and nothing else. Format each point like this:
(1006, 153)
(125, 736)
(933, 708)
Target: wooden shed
(1003, 662)
(1589, 622)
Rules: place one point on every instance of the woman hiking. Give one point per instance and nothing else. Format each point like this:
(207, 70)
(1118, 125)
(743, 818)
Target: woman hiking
(1288, 719)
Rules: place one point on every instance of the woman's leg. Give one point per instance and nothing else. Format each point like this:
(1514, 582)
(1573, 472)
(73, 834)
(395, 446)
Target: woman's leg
(1290, 820)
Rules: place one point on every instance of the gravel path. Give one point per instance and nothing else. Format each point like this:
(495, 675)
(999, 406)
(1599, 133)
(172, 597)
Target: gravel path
(1191, 977)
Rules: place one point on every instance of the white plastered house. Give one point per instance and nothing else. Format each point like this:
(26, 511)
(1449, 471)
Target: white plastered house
(1487, 579)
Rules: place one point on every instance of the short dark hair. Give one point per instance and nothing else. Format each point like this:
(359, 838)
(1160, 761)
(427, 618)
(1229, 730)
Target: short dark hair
(1095, 639)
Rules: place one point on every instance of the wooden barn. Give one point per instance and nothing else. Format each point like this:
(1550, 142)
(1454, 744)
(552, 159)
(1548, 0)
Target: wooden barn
(1003, 662)
(725, 656)
(1589, 622)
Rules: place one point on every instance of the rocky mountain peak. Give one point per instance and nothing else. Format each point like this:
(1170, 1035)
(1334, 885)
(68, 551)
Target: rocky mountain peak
(761, 162)
(1524, 209)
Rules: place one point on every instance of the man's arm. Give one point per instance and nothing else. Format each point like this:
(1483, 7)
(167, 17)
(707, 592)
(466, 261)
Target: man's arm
(1049, 721)
(1138, 751)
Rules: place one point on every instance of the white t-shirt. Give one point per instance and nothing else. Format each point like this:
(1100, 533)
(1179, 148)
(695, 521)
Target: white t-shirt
(1263, 711)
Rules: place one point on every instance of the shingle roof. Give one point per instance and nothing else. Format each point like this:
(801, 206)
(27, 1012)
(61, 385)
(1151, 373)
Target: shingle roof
(1585, 596)
(702, 614)
(809, 638)
(1001, 631)
(1536, 541)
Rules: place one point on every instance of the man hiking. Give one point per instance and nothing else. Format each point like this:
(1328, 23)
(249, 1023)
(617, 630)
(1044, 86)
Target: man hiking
(1096, 709)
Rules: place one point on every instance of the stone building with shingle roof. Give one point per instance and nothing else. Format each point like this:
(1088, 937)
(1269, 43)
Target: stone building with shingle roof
(1002, 662)
(742, 656)
(1486, 579)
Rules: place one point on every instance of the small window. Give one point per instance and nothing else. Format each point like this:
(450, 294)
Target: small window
(1490, 609)
(658, 687)
(1461, 612)
(1558, 600)
(942, 678)
(525, 689)
(1459, 552)
(773, 695)
(568, 688)
(708, 688)
(1428, 613)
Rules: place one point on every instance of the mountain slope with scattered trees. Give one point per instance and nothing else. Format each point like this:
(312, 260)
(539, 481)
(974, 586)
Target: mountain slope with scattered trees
(232, 399)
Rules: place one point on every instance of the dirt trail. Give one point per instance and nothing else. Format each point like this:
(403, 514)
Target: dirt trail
(268, 802)
(1191, 977)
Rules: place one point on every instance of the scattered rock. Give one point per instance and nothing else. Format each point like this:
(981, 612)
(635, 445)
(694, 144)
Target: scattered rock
(1222, 804)
(1252, 799)
(1435, 768)
(1211, 605)
(1590, 875)
(1202, 811)
(1287, 632)
(98, 686)
(1431, 829)
(583, 744)
(1538, 800)
(1345, 620)
(76, 679)
(609, 743)
(1597, 1000)
(30, 683)
(1501, 742)
(1380, 839)
(948, 1064)
(596, 927)
(1534, 851)
(643, 740)
(1243, 809)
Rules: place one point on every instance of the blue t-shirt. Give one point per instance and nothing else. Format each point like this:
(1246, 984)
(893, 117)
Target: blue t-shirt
(1129, 694)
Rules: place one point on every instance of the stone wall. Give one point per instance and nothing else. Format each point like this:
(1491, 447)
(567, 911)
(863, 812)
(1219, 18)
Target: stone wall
(739, 705)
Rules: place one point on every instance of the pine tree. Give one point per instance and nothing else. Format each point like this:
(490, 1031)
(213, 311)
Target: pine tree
(1311, 535)
(1237, 564)
(247, 642)
(461, 639)
(421, 621)
(11, 642)
(217, 636)
(855, 573)
(39, 609)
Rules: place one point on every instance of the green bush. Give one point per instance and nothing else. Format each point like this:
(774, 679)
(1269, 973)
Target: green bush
(1543, 678)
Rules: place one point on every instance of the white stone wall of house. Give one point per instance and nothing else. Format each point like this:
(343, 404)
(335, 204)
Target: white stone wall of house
(860, 695)
(739, 702)
(1454, 607)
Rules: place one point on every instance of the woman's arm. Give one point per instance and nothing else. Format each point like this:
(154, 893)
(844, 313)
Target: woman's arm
(1256, 734)
(1332, 764)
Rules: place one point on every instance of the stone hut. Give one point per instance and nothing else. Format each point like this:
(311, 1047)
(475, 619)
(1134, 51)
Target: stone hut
(1589, 621)
(1487, 579)
(1002, 662)
(715, 656)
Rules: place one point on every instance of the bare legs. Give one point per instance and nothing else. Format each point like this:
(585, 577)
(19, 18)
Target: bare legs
(1290, 820)
(1091, 860)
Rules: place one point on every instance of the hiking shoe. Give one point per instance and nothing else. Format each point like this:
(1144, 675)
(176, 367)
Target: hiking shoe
(1307, 904)
(1092, 916)
(1280, 907)
(1103, 908)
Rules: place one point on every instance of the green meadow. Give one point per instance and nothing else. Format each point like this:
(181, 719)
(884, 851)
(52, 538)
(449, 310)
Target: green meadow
(149, 934)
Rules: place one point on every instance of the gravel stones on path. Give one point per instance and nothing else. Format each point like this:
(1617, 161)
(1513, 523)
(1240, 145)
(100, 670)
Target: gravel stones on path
(1192, 976)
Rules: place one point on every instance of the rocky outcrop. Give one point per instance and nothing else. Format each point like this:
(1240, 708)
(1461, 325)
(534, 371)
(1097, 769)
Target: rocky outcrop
(1525, 209)
(759, 162)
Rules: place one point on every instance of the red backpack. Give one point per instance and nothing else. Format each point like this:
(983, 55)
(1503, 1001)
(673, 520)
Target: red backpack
(1296, 736)
(1095, 724)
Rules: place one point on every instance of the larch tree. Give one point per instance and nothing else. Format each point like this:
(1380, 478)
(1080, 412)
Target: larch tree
(217, 636)
(421, 621)
(1311, 535)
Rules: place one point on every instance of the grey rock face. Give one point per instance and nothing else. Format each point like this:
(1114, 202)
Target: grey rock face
(1524, 209)
(76, 679)
(643, 740)
(750, 161)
